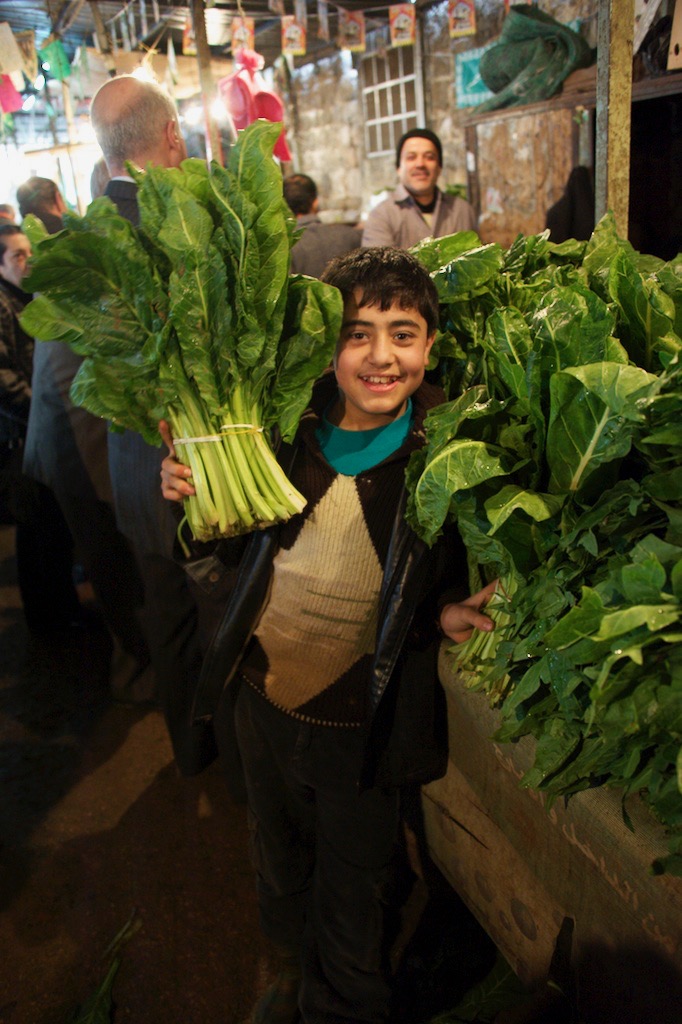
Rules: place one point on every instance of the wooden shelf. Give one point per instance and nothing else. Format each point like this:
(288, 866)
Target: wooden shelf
(580, 90)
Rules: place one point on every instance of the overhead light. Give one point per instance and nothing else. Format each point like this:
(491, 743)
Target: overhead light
(144, 74)
(29, 102)
(39, 82)
(45, 65)
(219, 110)
(193, 115)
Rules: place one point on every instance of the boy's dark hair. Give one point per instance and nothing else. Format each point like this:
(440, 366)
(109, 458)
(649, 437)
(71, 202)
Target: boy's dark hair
(5, 231)
(386, 275)
(36, 196)
(300, 192)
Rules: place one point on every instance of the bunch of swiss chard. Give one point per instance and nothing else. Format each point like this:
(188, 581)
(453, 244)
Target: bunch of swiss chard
(559, 457)
(193, 318)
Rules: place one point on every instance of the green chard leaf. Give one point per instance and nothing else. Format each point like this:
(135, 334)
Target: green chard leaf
(183, 318)
(562, 365)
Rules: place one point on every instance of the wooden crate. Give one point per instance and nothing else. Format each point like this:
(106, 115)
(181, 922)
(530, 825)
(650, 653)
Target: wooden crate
(524, 870)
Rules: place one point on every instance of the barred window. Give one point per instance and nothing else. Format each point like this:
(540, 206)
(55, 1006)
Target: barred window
(389, 98)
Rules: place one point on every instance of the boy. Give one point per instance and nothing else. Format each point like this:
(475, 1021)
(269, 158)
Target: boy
(330, 634)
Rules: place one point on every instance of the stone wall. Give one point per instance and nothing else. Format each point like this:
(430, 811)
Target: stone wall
(324, 108)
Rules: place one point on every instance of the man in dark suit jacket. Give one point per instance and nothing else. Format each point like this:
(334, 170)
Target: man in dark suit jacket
(136, 122)
(66, 450)
(319, 242)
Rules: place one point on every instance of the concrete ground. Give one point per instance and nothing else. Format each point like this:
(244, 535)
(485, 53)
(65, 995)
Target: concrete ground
(98, 830)
(97, 827)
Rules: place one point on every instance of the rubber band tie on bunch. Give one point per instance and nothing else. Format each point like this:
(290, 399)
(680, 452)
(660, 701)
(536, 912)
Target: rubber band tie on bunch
(239, 428)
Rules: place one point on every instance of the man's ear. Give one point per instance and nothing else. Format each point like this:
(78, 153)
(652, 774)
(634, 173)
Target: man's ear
(173, 137)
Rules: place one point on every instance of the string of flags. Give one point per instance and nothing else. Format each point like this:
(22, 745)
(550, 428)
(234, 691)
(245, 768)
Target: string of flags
(352, 26)
(20, 57)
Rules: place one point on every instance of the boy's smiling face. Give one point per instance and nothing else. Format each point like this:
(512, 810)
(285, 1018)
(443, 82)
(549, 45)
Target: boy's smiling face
(380, 361)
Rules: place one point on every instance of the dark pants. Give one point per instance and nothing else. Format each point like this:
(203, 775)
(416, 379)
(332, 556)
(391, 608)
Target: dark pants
(44, 548)
(324, 857)
(110, 568)
(172, 619)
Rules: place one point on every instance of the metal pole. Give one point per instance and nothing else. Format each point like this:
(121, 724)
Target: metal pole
(214, 149)
(614, 102)
(103, 39)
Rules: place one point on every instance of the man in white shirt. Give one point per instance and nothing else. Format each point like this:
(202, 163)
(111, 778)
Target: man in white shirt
(417, 209)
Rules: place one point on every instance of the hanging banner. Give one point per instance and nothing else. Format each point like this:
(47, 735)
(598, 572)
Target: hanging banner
(323, 20)
(81, 66)
(301, 13)
(26, 41)
(276, 6)
(469, 86)
(10, 54)
(402, 22)
(172, 76)
(189, 46)
(461, 18)
(293, 36)
(351, 31)
(243, 34)
(10, 100)
(125, 34)
(55, 55)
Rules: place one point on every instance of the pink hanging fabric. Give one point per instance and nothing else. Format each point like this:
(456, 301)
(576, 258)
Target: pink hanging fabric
(10, 99)
(247, 98)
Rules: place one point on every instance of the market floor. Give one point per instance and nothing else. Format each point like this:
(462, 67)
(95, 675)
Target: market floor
(99, 831)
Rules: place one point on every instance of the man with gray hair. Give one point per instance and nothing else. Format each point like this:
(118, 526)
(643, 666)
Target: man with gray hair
(135, 122)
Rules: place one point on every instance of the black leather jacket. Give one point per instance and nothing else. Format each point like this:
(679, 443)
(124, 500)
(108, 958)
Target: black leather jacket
(407, 728)
(16, 365)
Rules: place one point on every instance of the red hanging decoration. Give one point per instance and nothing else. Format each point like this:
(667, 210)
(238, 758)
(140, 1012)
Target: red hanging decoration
(247, 97)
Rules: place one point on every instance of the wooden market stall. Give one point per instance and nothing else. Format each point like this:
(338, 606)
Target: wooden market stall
(567, 892)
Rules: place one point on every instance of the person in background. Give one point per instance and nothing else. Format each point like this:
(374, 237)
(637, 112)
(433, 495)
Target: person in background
(42, 198)
(319, 242)
(43, 543)
(417, 209)
(66, 450)
(326, 658)
(99, 178)
(8, 214)
(135, 121)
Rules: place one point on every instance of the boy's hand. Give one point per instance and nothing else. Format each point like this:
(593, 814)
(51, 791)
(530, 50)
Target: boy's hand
(175, 476)
(458, 621)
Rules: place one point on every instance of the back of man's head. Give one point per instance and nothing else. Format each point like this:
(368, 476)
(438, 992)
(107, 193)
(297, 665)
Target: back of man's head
(300, 193)
(135, 120)
(40, 196)
(7, 213)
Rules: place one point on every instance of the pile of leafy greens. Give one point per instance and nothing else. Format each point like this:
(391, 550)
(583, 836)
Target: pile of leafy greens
(193, 318)
(559, 457)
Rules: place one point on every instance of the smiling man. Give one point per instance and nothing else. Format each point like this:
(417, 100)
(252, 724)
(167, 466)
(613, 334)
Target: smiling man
(417, 209)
